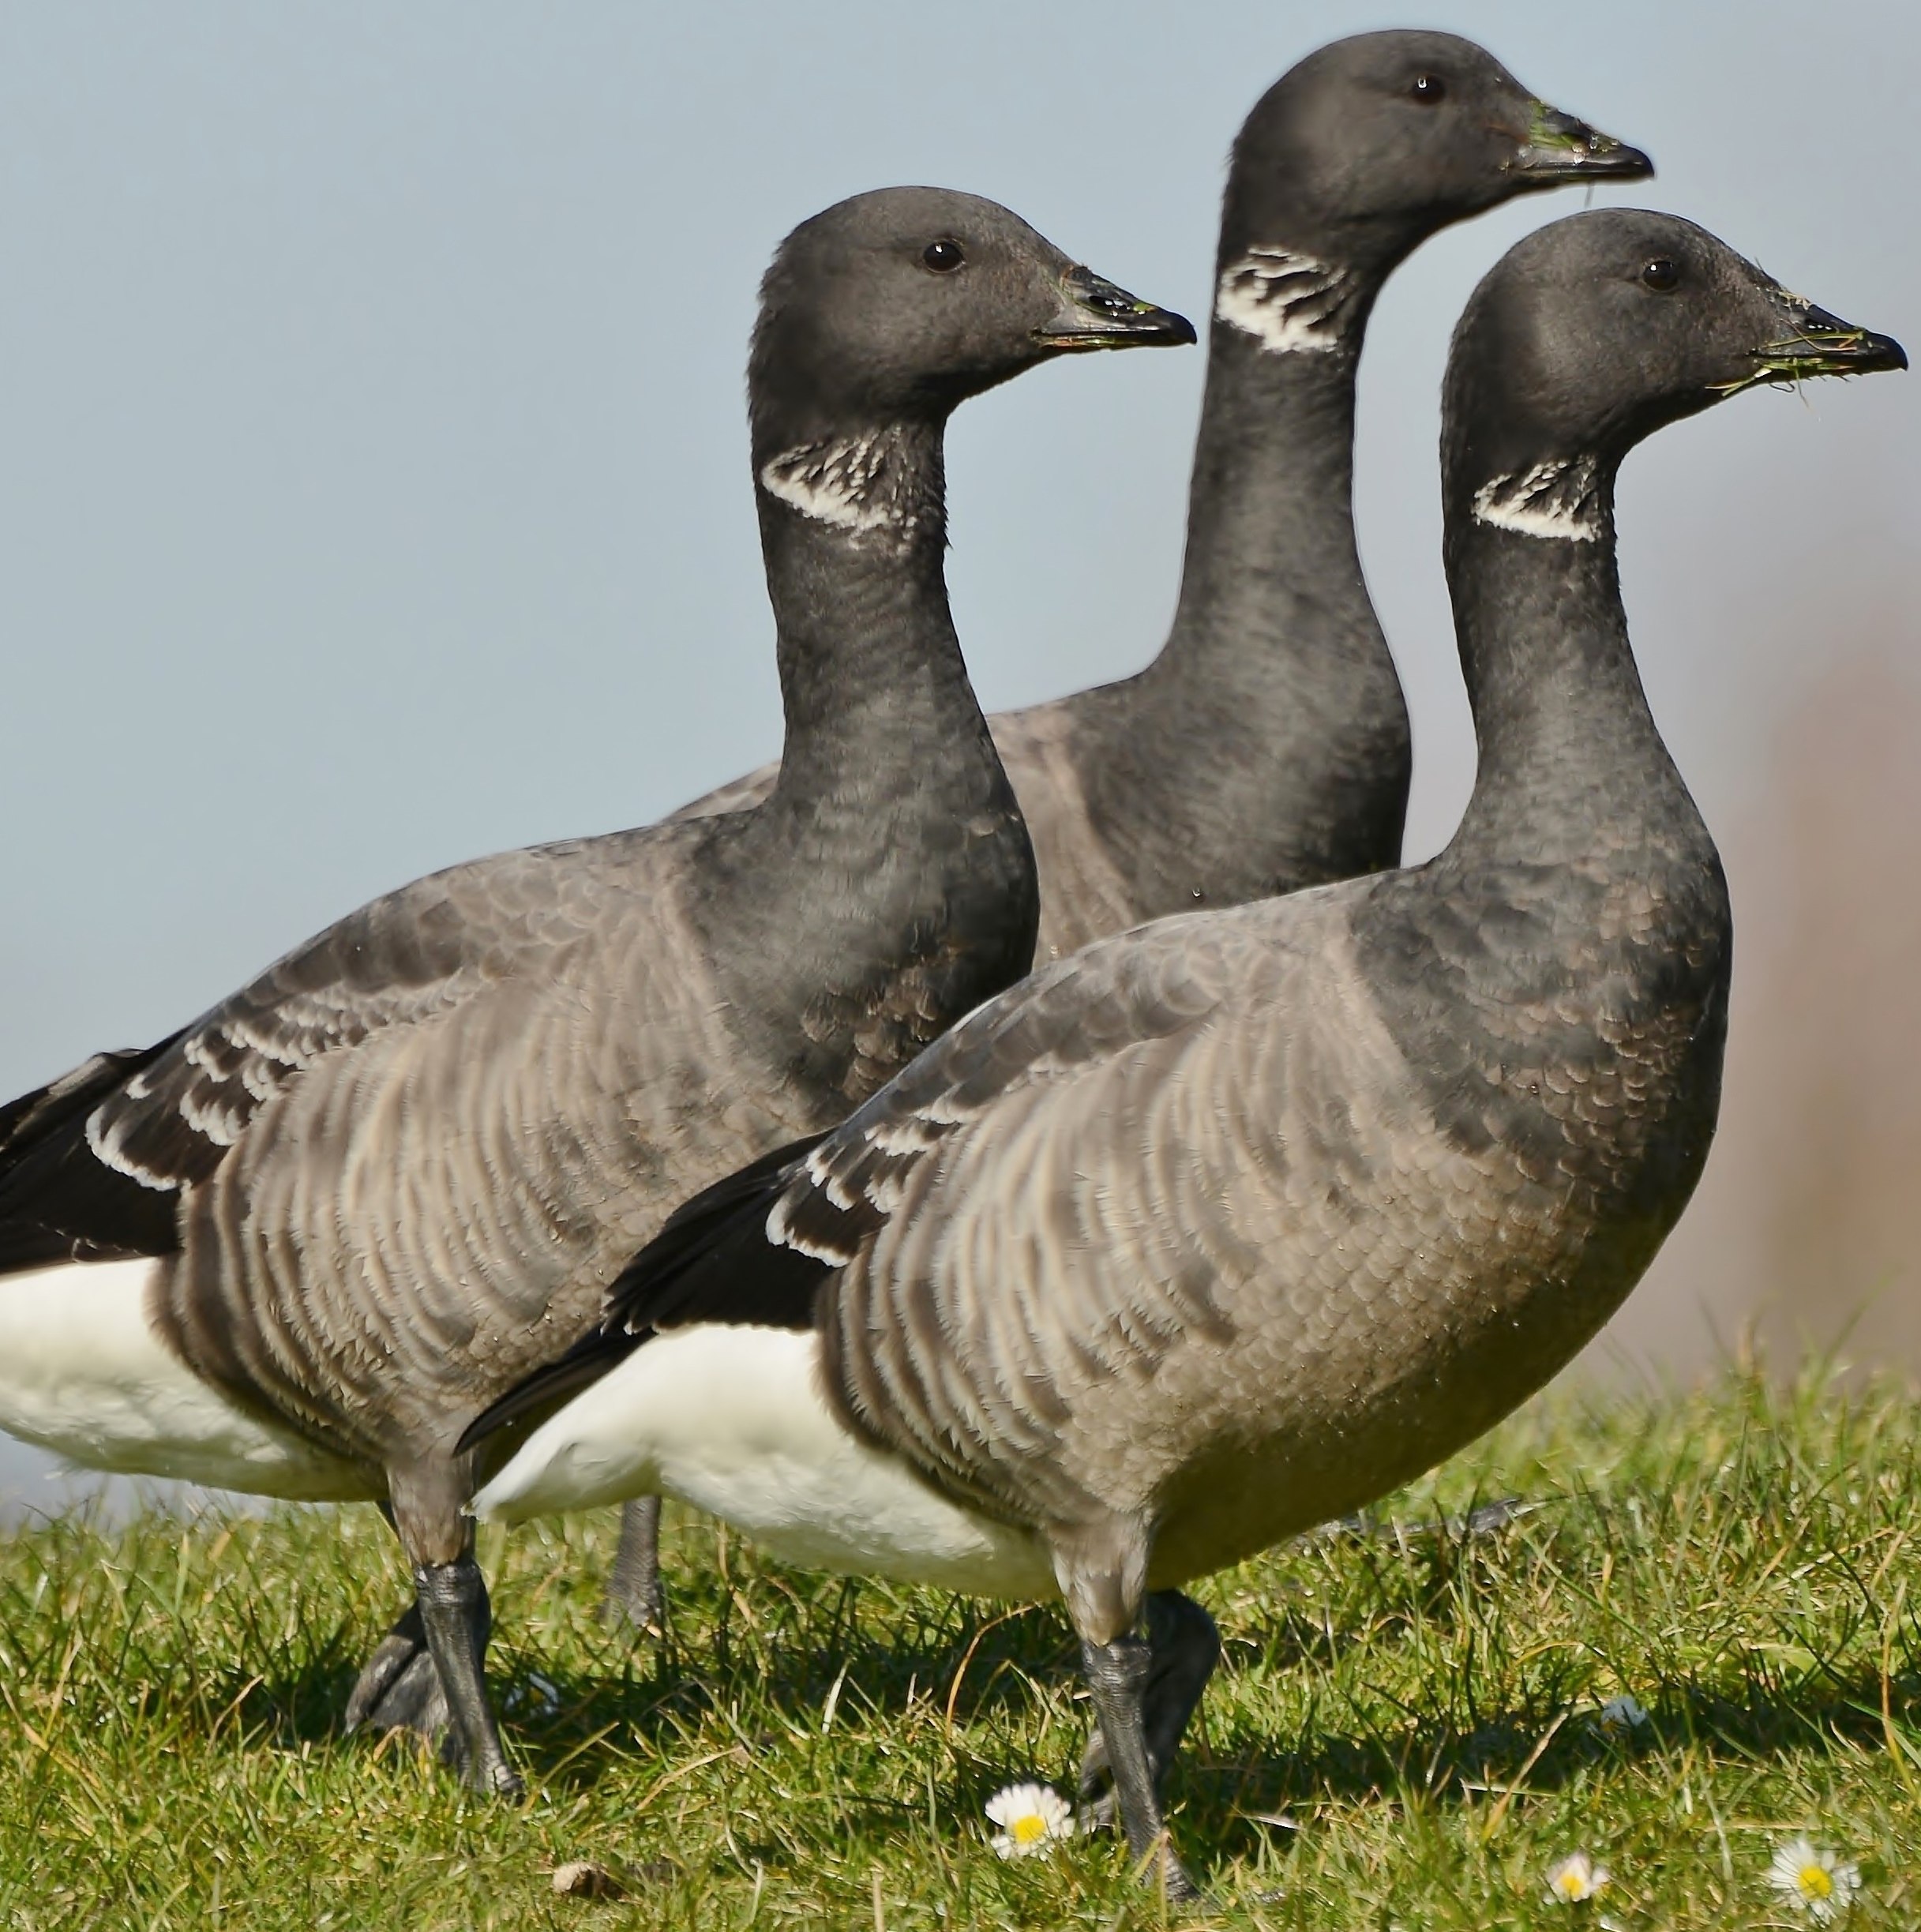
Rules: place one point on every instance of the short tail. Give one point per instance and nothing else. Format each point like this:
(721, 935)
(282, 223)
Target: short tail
(667, 1283)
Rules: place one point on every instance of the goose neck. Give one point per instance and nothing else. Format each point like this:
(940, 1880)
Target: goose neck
(1271, 572)
(873, 687)
(887, 884)
(1564, 739)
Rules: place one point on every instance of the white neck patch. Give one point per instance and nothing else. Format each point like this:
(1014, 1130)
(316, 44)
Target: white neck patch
(1286, 301)
(860, 484)
(1556, 499)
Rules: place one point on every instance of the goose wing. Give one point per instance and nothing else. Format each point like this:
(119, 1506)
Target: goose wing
(740, 794)
(63, 1214)
(1080, 1205)
(96, 1163)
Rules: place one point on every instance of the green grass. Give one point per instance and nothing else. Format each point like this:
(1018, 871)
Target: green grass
(1421, 1709)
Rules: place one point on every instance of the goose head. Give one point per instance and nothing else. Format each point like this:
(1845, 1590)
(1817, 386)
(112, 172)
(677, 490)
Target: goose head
(893, 307)
(1371, 144)
(1593, 333)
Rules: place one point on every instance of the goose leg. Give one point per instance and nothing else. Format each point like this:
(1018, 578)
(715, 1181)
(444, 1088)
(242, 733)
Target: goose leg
(1102, 1570)
(454, 1610)
(1185, 1646)
(398, 1688)
(1117, 1674)
(456, 1618)
(633, 1586)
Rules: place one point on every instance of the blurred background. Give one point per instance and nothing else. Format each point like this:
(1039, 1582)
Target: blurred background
(374, 490)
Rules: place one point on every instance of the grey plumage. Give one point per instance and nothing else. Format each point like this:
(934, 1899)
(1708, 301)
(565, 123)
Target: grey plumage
(399, 1169)
(1228, 1225)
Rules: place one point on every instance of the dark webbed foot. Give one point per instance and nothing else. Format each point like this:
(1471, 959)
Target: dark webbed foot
(398, 1689)
(1184, 1646)
(634, 1594)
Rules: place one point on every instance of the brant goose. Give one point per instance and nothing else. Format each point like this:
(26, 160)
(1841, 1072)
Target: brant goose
(1267, 747)
(295, 1248)
(1228, 1225)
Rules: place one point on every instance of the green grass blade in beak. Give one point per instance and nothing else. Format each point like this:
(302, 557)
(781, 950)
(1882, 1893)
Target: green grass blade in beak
(1814, 343)
(1559, 148)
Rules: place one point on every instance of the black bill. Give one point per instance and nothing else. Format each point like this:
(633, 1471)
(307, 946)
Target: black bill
(1559, 149)
(1095, 314)
(1814, 343)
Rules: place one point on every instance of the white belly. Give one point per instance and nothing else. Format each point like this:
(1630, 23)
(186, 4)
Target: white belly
(82, 1373)
(732, 1420)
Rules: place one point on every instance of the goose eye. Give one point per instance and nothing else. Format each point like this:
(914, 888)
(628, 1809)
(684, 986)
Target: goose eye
(1429, 89)
(1662, 274)
(944, 256)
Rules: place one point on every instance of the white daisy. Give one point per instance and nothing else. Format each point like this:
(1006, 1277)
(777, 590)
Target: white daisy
(1821, 1883)
(1576, 1877)
(1623, 1714)
(1031, 1817)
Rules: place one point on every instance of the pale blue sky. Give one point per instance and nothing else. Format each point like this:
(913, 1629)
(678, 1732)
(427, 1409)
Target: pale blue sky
(373, 489)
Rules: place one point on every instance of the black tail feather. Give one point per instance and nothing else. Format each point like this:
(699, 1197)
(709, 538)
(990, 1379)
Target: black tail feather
(690, 1232)
(710, 1262)
(58, 1202)
(34, 1117)
(582, 1366)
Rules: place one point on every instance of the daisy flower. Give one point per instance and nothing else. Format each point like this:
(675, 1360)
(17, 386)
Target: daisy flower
(1575, 1878)
(1818, 1881)
(1031, 1817)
